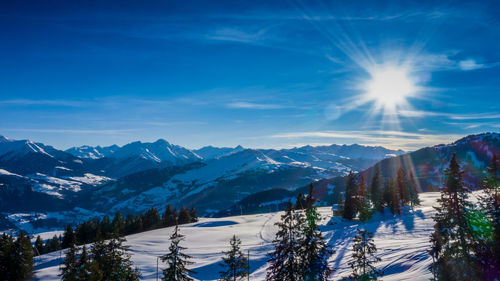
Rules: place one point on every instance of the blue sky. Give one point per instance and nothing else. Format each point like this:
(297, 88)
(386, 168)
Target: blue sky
(255, 73)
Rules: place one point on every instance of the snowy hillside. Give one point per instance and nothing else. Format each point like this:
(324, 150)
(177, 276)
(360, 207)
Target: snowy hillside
(402, 242)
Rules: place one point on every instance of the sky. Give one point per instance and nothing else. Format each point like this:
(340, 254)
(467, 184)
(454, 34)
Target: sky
(263, 74)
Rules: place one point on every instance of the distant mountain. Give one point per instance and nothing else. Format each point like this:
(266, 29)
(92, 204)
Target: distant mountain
(474, 153)
(138, 176)
(210, 152)
(93, 152)
(159, 151)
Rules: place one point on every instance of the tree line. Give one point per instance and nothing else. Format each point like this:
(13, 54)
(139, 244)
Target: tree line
(362, 201)
(97, 229)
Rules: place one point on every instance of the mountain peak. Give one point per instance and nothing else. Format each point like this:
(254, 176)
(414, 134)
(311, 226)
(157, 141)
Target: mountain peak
(4, 139)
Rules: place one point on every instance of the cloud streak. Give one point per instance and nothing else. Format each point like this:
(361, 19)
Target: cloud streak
(391, 139)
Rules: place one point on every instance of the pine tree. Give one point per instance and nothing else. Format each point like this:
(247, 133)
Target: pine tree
(23, 257)
(184, 216)
(412, 188)
(364, 250)
(88, 269)
(314, 250)
(391, 197)
(113, 260)
(350, 197)
(453, 230)
(490, 205)
(177, 260)
(364, 206)
(70, 265)
(376, 190)
(69, 237)
(284, 261)
(169, 217)
(234, 262)
(402, 187)
(38, 248)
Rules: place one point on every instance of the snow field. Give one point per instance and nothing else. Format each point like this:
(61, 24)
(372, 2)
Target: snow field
(402, 243)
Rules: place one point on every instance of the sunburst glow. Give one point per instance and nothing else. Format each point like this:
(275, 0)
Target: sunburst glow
(389, 86)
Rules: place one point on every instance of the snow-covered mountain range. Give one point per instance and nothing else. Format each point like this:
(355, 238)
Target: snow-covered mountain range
(41, 182)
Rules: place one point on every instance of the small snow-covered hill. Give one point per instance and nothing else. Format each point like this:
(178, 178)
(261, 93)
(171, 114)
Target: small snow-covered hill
(402, 243)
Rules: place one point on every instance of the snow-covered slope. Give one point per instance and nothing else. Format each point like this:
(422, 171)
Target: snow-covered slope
(402, 243)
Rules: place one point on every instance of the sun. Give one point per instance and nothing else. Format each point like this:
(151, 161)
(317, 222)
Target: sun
(389, 86)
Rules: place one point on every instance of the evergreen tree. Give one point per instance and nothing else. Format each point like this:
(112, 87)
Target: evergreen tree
(118, 225)
(284, 261)
(38, 248)
(169, 217)
(350, 197)
(234, 262)
(69, 237)
(88, 269)
(184, 216)
(412, 188)
(364, 250)
(402, 187)
(23, 257)
(314, 250)
(340, 205)
(364, 206)
(391, 197)
(490, 205)
(70, 265)
(113, 260)
(376, 190)
(177, 260)
(452, 230)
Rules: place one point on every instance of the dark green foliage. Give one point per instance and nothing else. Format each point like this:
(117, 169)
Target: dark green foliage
(402, 187)
(79, 266)
(364, 250)
(176, 260)
(365, 211)
(412, 189)
(184, 216)
(391, 197)
(350, 204)
(284, 262)
(38, 248)
(314, 250)
(69, 237)
(376, 190)
(16, 258)
(94, 229)
(113, 260)
(52, 245)
(106, 261)
(234, 264)
(453, 241)
(490, 221)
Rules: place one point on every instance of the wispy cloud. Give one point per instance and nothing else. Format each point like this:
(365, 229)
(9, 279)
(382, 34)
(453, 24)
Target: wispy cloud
(390, 139)
(452, 116)
(469, 64)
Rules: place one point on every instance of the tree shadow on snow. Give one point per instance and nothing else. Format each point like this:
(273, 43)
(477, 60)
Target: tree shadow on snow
(211, 271)
(215, 223)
